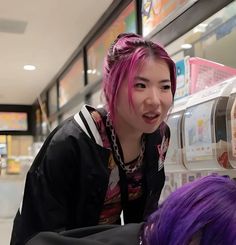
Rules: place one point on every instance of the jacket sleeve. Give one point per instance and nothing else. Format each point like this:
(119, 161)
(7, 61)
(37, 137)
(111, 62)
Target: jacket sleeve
(48, 194)
(96, 235)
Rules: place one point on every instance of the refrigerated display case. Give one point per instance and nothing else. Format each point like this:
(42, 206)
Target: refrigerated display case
(204, 128)
(174, 156)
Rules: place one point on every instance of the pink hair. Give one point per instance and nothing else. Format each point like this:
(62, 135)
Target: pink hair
(125, 57)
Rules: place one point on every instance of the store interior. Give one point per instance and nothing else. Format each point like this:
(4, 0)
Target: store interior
(202, 119)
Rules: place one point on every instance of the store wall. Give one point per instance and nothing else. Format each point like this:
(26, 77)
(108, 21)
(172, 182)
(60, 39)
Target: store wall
(19, 145)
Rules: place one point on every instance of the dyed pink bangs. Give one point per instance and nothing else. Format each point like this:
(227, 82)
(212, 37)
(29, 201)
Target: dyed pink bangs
(124, 69)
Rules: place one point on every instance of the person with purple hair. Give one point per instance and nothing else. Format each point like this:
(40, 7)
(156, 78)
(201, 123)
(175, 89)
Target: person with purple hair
(102, 162)
(201, 212)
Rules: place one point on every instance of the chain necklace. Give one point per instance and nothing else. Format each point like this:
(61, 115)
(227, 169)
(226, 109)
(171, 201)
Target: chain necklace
(126, 168)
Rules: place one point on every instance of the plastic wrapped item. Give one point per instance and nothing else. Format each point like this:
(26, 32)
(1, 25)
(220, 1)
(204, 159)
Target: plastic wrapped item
(205, 73)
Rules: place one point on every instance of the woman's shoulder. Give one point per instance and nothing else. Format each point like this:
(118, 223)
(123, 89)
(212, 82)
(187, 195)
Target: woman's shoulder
(86, 126)
(75, 126)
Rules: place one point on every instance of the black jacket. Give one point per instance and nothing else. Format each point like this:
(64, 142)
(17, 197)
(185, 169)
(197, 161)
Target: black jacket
(66, 185)
(95, 235)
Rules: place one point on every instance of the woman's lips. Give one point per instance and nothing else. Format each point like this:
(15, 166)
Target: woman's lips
(151, 118)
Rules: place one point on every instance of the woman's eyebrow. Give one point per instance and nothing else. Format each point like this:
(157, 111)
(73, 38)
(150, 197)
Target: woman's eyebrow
(142, 78)
(165, 81)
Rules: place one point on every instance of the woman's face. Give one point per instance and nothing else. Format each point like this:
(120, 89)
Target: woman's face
(152, 98)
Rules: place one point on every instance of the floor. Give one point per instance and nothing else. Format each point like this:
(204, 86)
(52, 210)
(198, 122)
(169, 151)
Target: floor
(11, 191)
(5, 231)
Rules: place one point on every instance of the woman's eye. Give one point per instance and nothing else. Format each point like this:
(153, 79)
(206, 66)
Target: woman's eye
(166, 87)
(140, 85)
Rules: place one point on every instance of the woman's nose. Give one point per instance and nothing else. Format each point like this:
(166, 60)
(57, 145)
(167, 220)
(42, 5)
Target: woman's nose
(153, 97)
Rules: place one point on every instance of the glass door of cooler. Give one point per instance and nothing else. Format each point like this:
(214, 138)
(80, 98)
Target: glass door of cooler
(198, 137)
(231, 129)
(174, 159)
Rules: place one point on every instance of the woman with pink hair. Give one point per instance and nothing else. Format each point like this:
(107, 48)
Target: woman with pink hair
(101, 162)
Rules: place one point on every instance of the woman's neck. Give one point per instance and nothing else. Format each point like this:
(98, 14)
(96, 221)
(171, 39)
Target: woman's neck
(125, 132)
(130, 140)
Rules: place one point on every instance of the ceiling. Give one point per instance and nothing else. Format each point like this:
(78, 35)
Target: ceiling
(43, 33)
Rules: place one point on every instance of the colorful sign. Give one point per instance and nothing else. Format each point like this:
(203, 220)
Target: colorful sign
(13, 121)
(71, 82)
(161, 12)
(126, 22)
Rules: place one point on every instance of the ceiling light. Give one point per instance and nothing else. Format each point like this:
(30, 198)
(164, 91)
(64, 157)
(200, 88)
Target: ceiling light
(29, 67)
(186, 46)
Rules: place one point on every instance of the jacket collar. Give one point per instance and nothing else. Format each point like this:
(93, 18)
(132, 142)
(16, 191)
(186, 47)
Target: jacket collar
(85, 121)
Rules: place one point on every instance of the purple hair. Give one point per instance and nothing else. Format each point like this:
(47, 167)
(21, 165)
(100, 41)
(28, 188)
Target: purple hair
(202, 211)
(125, 57)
